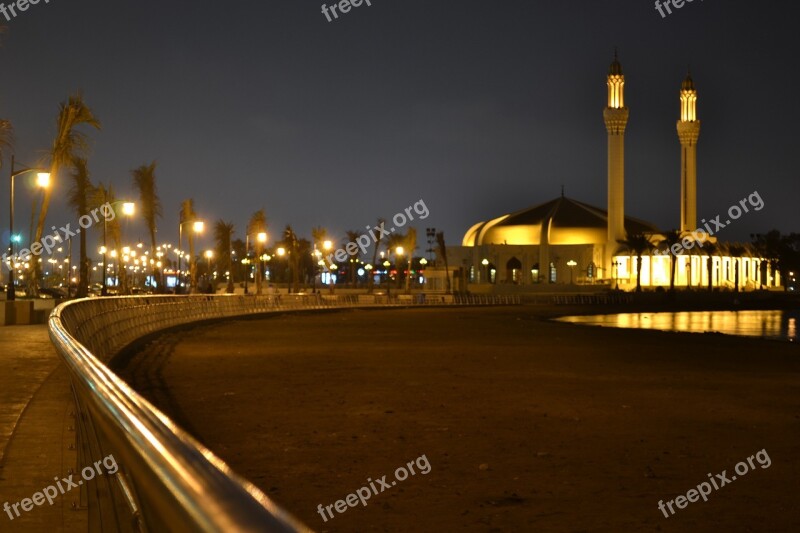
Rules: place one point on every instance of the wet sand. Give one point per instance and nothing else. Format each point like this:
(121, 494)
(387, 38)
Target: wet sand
(528, 425)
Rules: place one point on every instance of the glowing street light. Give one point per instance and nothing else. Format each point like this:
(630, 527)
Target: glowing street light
(125, 211)
(197, 226)
(43, 181)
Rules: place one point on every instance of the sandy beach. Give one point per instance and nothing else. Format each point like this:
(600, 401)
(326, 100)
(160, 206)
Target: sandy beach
(528, 425)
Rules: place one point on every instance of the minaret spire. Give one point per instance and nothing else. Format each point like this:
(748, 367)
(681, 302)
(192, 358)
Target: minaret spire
(616, 119)
(688, 133)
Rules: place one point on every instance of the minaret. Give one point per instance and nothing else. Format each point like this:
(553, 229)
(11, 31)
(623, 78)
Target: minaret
(616, 118)
(688, 133)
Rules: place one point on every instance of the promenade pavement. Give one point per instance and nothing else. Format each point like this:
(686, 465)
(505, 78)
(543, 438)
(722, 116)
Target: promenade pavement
(36, 430)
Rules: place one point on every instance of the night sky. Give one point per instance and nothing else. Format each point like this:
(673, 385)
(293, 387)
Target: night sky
(479, 108)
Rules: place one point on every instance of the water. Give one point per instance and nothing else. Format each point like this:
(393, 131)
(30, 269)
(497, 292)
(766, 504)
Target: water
(777, 325)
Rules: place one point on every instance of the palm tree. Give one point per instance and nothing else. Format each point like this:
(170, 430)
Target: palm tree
(352, 236)
(318, 237)
(377, 238)
(188, 214)
(69, 144)
(441, 251)
(256, 225)
(710, 248)
(223, 234)
(671, 238)
(736, 250)
(79, 198)
(144, 180)
(98, 196)
(776, 249)
(291, 242)
(394, 241)
(638, 244)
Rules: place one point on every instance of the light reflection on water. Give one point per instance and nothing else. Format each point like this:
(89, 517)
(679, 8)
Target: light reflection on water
(781, 325)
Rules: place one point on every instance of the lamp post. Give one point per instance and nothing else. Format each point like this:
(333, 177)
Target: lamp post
(246, 263)
(386, 265)
(368, 268)
(127, 210)
(281, 252)
(398, 253)
(485, 264)
(571, 264)
(327, 246)
(43, 181)
(197, 226)
(261, 239)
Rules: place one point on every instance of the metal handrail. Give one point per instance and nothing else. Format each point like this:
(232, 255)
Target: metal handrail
(167, 480)
(170, 481)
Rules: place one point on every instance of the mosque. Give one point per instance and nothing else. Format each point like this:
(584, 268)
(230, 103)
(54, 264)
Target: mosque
(566, 241)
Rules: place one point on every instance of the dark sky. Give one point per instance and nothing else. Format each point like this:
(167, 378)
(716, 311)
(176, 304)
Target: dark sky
(479, 108)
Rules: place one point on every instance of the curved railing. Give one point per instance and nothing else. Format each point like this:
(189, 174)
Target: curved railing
(166, 480)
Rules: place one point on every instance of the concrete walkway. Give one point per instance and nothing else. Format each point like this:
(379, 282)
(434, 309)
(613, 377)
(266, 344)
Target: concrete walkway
(36, 421)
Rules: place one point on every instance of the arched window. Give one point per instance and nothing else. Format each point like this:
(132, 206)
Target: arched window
(535, 277)
(553, 273)
(513, 269)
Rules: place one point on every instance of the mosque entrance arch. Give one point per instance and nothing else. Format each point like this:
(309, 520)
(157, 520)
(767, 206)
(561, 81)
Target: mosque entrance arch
(513, 271)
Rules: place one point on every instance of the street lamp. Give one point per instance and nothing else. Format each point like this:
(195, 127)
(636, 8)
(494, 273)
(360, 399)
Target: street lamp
(43, 181)
(571, 264)
(197, 226)
(261, 239)
(386, 265)
(128, 212)
(485, 264)
(368, 268)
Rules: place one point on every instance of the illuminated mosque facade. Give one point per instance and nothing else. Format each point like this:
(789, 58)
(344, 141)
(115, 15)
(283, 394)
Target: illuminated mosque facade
(565, 241)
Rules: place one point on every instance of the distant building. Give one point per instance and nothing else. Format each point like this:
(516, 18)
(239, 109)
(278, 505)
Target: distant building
(568, 241)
